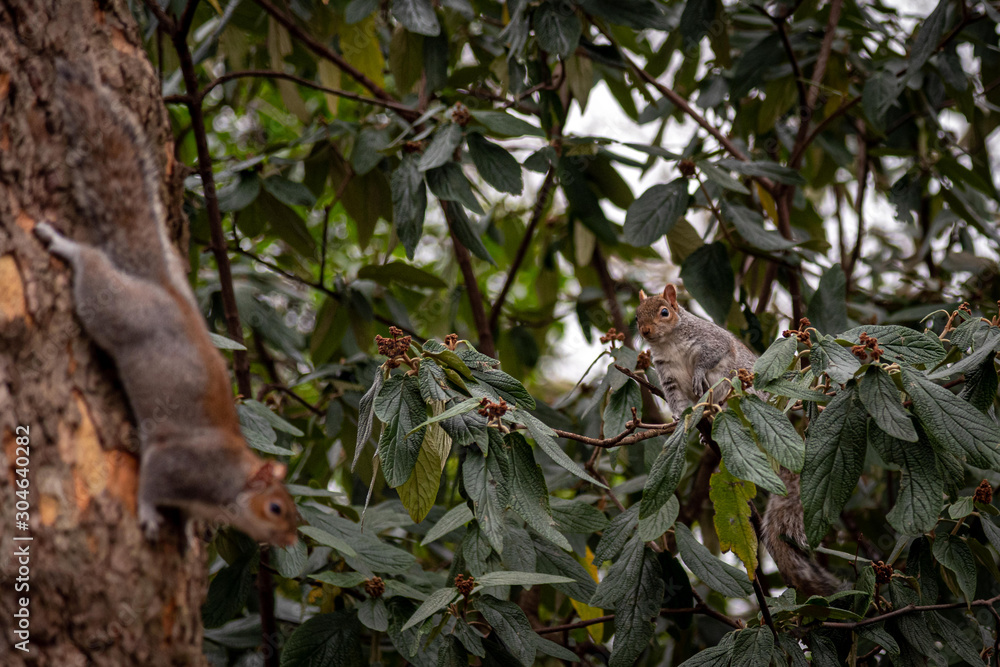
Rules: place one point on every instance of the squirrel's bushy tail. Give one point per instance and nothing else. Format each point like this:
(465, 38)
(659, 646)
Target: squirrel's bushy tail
(785, 538)
(115, 183)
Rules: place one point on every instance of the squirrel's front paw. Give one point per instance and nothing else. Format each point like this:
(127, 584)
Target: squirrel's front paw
(46, 232)
(150, 521)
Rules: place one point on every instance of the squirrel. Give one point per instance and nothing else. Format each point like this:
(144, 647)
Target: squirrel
(690, 355)
(131, 294)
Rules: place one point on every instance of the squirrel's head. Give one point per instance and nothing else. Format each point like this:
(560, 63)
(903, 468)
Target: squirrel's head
(658, 315)
(270, 514)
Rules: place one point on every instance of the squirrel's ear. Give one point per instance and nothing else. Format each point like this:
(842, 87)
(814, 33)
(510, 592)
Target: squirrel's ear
(670, 294)
(278, 470)
(642, 295)
(268, 472)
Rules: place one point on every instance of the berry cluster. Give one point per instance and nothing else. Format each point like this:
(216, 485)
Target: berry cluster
(745, 377)
(375, 587)
(451, 341)
(686, 167)
(644, 361)
(883, 572)
(802, 333)
(460, 114)
(491, 410)
(465, 584)
(394, 348)
(613, 336)
(868, 351)
(984, 493)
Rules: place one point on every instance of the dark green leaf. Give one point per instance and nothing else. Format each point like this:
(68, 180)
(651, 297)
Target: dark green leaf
(464, 232)
(558, 28)
(708, 276)
(502, 123)
(409, 203)
(448, 182)
(828, 356)
(776, 434)
(742, 456)
(664, 475)
(289, 192)
(400, 273)
(772, 170)
(530, 496)
(510, 625)
(955, 555)
(655, 212)
(366, 415)
(753, 647)
(828, 307)
(775, 361)
(750, 224)
(495, 164)
(326, 640)
(879, 395)
(717, 575)
(240, 193)
(417, 16)
(902, 345)
(616, 535)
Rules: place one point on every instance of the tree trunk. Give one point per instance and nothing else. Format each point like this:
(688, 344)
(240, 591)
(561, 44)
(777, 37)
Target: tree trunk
(94, 590)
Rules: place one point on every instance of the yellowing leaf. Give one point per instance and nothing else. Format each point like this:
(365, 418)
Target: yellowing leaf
(731, 497)
(329, 76)
(360, 45)
(419, 491)
(585, 611)
(767, 202)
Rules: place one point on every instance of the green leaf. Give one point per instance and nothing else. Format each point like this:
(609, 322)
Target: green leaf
(544, 437)
(420, 491)
(750, 225)
(651, 528)
(341, 579)
(530, 496)
(719, 655)
(442, 147)
(506, 387)
(508, 578)
(401, 273)
(489, 495)
(836, 443)
(409, 203)
(636, 610)
(655, 212)
(510, 625)
(558, 28)
(731, 498)
(504, 124)
(828, 307)
(417, 16)
(775, 361)
(289, 561)
(926, 43)
(574, 516)
(459, 408)
(373, 614)
(552, 560)
(616, 535)
(240, 193)
(696, 20)
(289, 192)
(828, 356)
(741, 454)
(434, 603)
(448, 182)
(708, 276)
(984, 350)
(400, 443)
(775, 433)
(666, 472)
(901, 344)
(765, 169)
(453, 519)
(954, 554)
(366, 415)
(879, 395)
(719, 576)
(496, 166)
(918, 502)
(272, 418)
(230, 588)
(223, 343)
(326, 640)
(389, 397)
(328, 539)
(721, 178)
(753, 647)
(619, 409)
(952, 423)
(464, 232)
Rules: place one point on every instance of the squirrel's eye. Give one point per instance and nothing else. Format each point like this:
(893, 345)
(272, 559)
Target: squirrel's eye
(275, 509)
(665, 312)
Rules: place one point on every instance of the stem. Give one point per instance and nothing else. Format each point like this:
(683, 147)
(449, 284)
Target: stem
(522, 249)
(486, 344)
(911, 609)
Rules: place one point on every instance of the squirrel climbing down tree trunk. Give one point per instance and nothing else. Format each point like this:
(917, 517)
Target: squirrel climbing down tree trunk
(690, 356)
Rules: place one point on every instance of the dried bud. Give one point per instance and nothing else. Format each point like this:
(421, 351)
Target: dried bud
(394, 348)
(984, 493)
(612, 336)
(492, 410)
(965, 308)
(375, 587)
(745, 377)
(451, 341)
(465, 584)
(460, 114)
(686, 168)
(868, 351)
(413, 147)
(644, 361)
(883, 572)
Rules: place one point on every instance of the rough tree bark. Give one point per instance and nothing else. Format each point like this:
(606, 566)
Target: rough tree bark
(99, 594)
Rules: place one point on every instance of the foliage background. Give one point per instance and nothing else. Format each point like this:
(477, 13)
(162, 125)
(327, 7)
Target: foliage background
(360, 165)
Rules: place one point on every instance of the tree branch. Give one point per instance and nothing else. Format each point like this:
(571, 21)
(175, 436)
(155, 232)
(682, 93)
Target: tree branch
(275, 74)
(643, 382)
(476, 303)
(623, 439)
(322, 50)
(910, 609)
(702, 609)
(819, 71)
(522, 249)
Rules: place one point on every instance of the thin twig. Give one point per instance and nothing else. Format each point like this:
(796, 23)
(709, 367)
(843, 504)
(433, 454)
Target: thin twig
(702, 609)
(274, 74)
(653, 389)
(476, 302)
(910, 609)
(623, 439)
(522, 249)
